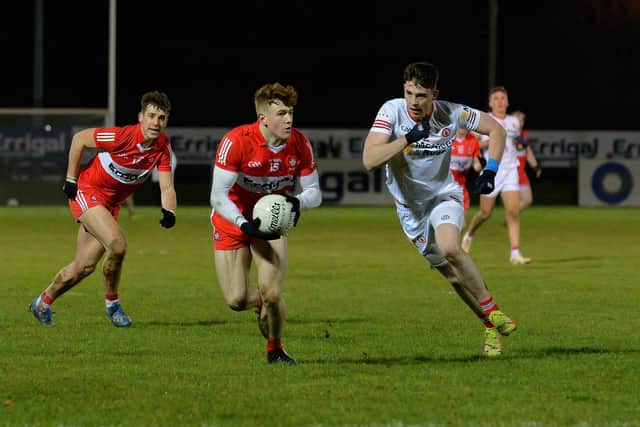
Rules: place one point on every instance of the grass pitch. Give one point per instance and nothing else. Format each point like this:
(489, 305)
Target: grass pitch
(381, 339)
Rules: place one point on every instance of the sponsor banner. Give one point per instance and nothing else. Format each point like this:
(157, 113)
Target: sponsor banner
(198, 145)
(348, 182)
(195, 146)
(34, 144)
(609, 182)
(563, 149)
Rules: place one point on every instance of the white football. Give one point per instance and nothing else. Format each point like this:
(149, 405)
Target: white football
(275, 214)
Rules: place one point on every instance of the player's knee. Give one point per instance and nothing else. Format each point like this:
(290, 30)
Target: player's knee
(485, 214)
(238, 307)
(237, 303)
(271, 295)
(118, 247)
(512, 215)
(448, 248)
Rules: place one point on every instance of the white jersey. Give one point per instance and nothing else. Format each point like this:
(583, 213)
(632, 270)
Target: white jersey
(419, 176)
(510, 155)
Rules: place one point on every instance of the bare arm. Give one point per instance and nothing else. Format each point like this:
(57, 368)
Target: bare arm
(378, 150)
(80, 141)
(531, 157)
(497, 135)
(168, 198)
(477, 166)
(533, 161)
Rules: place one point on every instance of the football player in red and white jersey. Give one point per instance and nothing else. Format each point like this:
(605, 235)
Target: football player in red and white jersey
(252, 160)
(124, 160)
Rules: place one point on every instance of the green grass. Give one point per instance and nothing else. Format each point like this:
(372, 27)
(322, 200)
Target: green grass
(382, 340)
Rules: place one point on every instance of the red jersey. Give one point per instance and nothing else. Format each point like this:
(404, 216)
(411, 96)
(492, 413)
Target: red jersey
(262, 169)
(462, 154)
(122, 164)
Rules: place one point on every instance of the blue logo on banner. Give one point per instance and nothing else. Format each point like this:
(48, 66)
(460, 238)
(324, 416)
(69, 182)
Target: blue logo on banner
(608, 170)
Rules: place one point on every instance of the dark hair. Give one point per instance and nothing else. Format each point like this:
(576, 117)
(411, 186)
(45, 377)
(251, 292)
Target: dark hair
(159, 99)
(270, 92)
(423, 73)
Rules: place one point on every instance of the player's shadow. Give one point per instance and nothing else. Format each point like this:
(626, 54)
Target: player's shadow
(219, 322)
(573, 259)
(369, 359)
(208, 322)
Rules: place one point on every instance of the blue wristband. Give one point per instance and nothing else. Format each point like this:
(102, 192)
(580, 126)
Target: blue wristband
(492, 165)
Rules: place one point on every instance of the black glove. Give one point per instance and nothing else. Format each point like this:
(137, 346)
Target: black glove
(295, 203)
(538, 171)
(522, 141)
(252, 228)
(485, 182)
(168, 218)
(70, 188)
(419, 131)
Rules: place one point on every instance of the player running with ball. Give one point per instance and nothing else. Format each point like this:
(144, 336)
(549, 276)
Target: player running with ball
(267, 156)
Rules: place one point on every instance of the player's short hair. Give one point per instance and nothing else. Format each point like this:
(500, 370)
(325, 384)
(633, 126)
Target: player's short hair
(497, 89)
(423, 73)
(275, 91)
(159, 99)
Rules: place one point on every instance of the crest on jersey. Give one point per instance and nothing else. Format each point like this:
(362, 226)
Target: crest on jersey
(291, 163)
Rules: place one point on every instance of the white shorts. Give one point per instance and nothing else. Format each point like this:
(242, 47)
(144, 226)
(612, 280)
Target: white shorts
(421, 230)
(506, 180)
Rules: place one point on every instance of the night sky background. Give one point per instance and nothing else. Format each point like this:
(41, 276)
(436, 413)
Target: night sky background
(568, 64)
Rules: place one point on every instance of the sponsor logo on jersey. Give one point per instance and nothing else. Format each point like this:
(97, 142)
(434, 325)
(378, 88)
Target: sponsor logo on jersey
(254, 164)
(262, 185)
(424, 148)
(125, 176)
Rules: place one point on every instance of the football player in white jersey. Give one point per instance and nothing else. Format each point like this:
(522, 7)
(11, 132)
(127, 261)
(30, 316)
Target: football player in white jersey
(412, 138)
(507, 182)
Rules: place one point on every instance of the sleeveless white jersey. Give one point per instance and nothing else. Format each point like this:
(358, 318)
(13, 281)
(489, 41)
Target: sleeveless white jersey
(420, 176)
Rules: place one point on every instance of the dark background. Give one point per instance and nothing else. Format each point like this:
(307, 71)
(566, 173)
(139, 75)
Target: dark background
(569, 64)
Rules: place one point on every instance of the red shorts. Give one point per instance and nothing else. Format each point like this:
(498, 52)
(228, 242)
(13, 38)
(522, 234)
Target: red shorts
(227, 236)
(89, 197)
